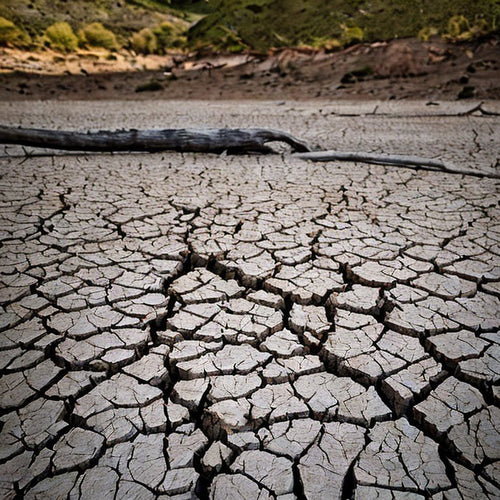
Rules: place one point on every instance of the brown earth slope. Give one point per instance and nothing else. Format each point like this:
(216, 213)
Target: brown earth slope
(388, 70)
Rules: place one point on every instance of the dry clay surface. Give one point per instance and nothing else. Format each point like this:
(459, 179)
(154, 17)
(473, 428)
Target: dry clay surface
(256, 327)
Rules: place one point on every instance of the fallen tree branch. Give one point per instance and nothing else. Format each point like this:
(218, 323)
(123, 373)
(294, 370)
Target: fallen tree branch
(397, 160)
(207, 140)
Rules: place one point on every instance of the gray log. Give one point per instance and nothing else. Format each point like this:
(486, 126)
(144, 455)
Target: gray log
(214, 140)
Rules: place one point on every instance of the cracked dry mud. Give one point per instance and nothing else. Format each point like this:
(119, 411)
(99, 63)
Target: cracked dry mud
(195, 326)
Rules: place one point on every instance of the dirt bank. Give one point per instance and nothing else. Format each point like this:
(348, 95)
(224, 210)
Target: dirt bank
(400, 69)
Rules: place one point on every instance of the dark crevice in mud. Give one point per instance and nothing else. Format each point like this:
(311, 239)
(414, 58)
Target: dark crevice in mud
(443, 455)
(286, 313)
(313, 244)
(202, 488)
(298, 487)
(348, 276)
(119, 229)
(160, 323)
(384, 307)
(18, 492)
(203, 484)
(239, 225)
(345, 197)
(349, 484)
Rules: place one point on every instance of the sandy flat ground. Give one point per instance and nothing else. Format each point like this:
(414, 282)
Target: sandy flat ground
(251, 326)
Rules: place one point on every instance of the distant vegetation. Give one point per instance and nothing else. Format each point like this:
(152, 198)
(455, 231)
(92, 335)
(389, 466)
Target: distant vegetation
(60, 36)
(260, 24)
(156, 26)
(150, 26)
(10, 34)
(96, 35)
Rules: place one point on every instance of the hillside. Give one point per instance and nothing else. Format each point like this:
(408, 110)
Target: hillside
(260, 24)
(122, 17)
(249, 25)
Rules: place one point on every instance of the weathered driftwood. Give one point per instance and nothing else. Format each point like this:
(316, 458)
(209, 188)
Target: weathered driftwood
(206, 140)
(406, 161)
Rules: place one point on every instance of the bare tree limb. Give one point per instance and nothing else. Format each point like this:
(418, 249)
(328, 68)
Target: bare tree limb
(207, 140)
(397, 160)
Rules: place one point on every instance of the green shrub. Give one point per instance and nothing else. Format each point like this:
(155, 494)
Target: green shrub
(351, 34)
(60, 36)
(232, 42)
(10, 34)
(96, 35)
(461, 30)
(165, 36)
(425, 33)
(156, 40)
(327, 44)
(144, 42)
(457, 25)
